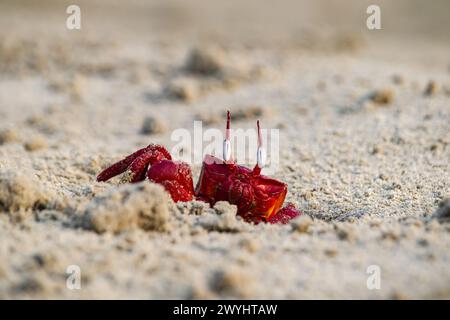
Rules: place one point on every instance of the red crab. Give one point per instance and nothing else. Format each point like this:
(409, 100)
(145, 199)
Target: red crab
(257, 197)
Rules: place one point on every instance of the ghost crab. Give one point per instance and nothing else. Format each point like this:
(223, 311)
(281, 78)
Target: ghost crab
(258, 198)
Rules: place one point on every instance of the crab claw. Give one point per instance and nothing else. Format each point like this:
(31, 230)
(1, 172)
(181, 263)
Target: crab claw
(136, 163)
(154, 162)
(176, 177)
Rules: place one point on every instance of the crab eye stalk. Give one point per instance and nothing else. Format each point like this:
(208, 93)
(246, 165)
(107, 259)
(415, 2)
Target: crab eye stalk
(260, 153)
(227, 142)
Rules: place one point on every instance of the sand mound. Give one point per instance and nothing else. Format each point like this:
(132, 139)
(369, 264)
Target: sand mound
(128, 207)
(212, 69)
(198, 215)
(442, 214)
(224, 219)
(9, 135)
(21, 190)
(234, 282)
(153, 124)
(206, 61)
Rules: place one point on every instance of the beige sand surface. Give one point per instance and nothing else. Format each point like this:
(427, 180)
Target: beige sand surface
(368, 173)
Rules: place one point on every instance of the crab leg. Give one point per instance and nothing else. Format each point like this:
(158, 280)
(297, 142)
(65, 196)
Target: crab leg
(138, 168)
(285, 214)
(122, 165)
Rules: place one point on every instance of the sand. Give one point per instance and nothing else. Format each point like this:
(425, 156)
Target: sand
(365, 150)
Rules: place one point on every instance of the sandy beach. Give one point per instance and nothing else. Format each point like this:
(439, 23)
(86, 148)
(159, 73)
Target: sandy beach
(364, 122)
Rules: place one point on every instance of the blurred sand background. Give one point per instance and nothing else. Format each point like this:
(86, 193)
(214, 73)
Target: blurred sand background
(364, 119)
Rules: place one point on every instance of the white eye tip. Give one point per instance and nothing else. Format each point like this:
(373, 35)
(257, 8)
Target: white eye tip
(261, 157)
(226, 150)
